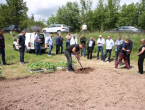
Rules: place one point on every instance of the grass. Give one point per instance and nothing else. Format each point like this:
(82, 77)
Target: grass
(16, 70)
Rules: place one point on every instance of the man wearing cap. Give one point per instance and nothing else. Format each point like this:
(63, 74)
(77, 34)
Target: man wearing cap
(2, 46)
(75, 50)
(129, 47)
(100, 43)
(37, 43)
(109, 46)
(90, 47)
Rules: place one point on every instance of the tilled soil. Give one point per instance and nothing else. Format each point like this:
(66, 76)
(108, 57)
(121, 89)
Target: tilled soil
(85, 70)
(102, 89)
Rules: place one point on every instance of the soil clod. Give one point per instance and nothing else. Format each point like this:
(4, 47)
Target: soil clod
(85, 70)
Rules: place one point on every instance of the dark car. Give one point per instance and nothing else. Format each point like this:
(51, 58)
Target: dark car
(126, 29)
(32, 29)
(11, 28)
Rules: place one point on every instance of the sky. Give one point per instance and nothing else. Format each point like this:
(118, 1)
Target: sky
(42, 9)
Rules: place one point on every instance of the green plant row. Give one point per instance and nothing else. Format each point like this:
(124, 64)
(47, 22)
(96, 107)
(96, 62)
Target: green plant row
(48, 65)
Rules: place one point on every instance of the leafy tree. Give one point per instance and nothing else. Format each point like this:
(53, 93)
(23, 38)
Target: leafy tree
(51, 20)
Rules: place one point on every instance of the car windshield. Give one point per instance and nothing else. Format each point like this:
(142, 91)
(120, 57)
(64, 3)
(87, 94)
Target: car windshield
(11, 26)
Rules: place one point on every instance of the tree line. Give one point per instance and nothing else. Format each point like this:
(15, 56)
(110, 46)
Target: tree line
(108, 14)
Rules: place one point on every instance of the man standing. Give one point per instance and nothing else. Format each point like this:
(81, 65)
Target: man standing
(68, 37)
(50, 44)
(123, 54)
(100, 43)
(57, 41)
(84, 28)
(2, 46)
(21, 44)
(129, 47)
(118, 44)
(61, 43)
(73, 40)
(37, 43)
(75, 50)
(83, 41)
(90, 47)
(109, 46)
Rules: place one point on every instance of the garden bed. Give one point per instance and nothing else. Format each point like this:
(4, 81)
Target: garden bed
(85, 70)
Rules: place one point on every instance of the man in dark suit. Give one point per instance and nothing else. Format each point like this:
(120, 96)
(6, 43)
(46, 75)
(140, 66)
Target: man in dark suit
(90, 47)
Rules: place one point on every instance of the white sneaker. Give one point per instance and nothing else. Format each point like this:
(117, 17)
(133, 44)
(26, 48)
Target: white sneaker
(102, 61)
(107, 61)
(48, 55)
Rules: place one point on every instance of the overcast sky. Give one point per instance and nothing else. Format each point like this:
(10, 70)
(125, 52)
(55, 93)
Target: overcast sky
(44, 8)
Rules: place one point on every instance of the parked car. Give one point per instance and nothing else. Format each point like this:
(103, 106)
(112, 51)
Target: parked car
(126, 29)
(56, 28)
(12, 28)
(32, 29)
(30, 43)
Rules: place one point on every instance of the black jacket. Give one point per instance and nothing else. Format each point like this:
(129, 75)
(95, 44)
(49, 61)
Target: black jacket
(92, 44)
(83, 40)
(2, 41)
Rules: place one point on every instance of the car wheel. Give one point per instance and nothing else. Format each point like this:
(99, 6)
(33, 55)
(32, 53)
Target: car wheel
(44, 31)
(14, 47)
(59, 32)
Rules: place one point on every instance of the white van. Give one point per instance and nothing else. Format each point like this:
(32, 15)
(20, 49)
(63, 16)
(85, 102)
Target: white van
(30, 43)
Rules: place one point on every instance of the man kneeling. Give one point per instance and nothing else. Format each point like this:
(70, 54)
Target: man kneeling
(75, 50)
(123, 54)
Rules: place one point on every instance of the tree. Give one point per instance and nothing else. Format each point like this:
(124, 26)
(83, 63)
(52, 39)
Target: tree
(13, 12)
(32, 17)
(51, 20)
(85, 8)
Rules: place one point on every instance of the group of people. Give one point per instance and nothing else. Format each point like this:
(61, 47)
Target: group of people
(123, 48)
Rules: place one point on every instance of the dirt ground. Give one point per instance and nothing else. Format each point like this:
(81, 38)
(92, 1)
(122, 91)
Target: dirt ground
(101, 89)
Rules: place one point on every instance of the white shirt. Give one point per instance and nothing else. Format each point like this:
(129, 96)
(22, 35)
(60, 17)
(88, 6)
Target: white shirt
(73, 41)
(109, 44)
(90, 43)
(102, 41)
(84, 27)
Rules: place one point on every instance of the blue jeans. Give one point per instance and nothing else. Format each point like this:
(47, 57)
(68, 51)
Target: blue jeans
(61, 48)
(107, 50)
(37, 47)
(50, 49)
(2, 51)
(100, 48)
(22, 51)
(67, 43)
(83, 50)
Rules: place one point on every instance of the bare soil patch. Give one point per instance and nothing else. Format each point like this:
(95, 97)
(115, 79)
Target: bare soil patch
(85, 70)
(102, 89)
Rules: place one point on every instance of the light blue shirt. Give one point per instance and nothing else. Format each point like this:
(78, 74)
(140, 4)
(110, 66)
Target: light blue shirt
(37, 37)
(117, 43)
(109, 44)
(50, 41)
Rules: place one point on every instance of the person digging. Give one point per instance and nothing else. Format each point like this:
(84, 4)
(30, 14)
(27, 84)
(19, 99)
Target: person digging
(75, 50)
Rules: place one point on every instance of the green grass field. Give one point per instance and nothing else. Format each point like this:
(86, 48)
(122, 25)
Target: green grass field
(16, 70)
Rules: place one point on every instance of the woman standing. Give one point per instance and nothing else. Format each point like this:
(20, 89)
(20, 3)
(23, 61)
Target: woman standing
(141, 55)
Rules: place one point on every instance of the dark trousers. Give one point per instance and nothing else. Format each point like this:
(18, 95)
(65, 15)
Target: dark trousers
(67, 43)
(2, 51)
(100, 48)
(107, 50)
(140, 65)
(37, 47)
(61, 48)
(22, 51)
(57, 49)
(122, 56)
(69, 60)
(89, 53)
(128, 57)
(83, 31)
(117, 55)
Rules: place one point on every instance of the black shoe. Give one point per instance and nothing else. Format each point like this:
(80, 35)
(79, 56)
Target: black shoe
(72, 69)
(5, 64)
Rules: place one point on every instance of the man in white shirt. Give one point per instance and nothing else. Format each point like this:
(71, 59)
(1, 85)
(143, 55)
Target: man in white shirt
(90, 47)
(84, 28)
(109, 46)
(100, 43)
(73, 40)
